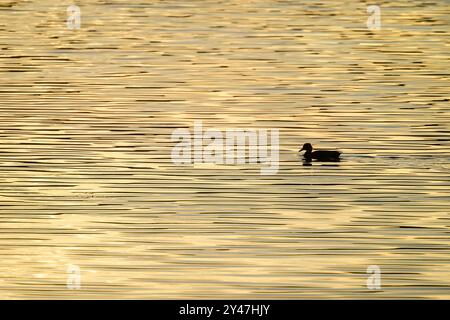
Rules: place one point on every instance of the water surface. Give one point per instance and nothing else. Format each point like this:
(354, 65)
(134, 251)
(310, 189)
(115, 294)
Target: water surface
(86, 176)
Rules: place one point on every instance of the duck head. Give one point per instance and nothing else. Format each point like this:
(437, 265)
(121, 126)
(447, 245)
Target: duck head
(307, 147)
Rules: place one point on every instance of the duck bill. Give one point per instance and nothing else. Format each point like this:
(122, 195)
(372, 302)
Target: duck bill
(301, 149)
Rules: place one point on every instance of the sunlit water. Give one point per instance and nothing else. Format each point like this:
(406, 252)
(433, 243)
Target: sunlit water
(86, 176)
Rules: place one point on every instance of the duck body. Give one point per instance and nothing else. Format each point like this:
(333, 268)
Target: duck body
(320, 155)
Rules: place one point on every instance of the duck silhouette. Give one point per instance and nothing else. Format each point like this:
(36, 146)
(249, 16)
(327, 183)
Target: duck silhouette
(320, 155)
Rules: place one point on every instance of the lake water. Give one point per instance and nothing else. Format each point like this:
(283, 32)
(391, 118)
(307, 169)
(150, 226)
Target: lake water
(86, 176)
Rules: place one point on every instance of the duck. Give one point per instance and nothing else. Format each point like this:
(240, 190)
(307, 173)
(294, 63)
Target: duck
(320, 155)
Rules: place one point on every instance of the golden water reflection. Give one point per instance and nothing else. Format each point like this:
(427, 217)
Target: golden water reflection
(87, 179)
